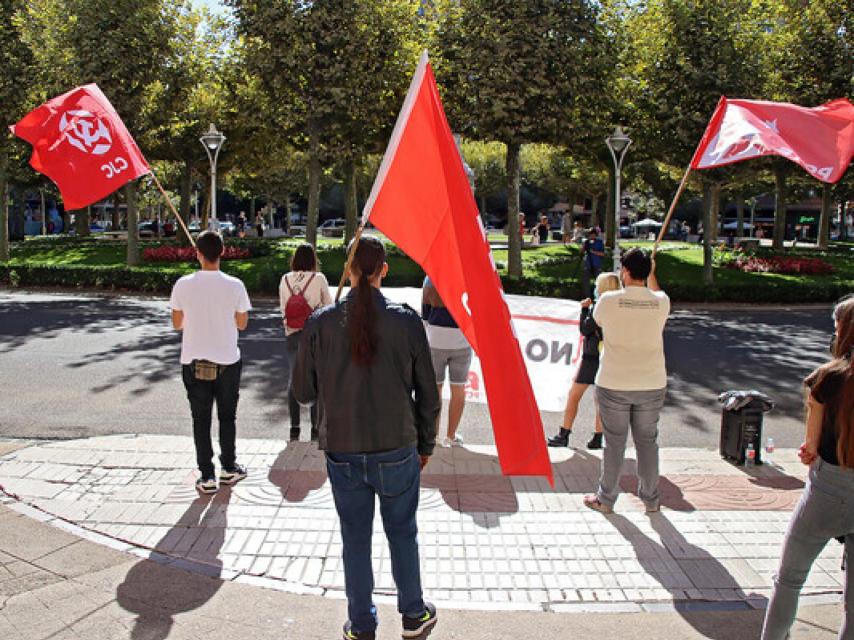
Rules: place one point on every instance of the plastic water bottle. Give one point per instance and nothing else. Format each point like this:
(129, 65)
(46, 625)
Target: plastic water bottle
(750, 455)
(769, 450)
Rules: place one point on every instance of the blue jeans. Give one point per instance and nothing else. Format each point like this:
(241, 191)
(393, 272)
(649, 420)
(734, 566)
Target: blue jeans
(394, 476)
(825, 511)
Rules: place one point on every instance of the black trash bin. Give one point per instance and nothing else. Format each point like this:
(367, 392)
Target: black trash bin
(741, 423)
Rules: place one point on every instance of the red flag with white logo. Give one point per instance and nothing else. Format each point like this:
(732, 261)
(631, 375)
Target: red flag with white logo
(81, 144)
(820, 139)
(423, 202)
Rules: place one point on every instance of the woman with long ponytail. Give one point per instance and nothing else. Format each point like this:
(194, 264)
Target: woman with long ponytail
(826, 508)
(366, 364)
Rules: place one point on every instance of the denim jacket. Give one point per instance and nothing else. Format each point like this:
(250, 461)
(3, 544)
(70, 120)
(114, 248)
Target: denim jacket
(392, 403)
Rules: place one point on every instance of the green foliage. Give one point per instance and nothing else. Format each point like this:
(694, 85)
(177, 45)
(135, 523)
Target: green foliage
(333, 74)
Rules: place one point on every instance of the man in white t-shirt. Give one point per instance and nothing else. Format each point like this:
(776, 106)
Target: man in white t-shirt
(210, 308)
(632, 379)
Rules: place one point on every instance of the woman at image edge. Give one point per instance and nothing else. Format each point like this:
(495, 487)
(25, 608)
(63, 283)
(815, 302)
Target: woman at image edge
(825, 510)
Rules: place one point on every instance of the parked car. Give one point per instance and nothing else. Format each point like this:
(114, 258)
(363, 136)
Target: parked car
(147, 229)
(335, 223)
(227, 228)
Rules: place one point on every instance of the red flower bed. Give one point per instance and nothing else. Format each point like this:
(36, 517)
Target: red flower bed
(777, 264)
(188, 254)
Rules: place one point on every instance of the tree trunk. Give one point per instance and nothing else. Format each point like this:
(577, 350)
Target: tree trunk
(314, 170)
(133, 220)
(610, 210)
(206, 210)
(514, 179)
(286, 228)
(824, 220)
(351, 202)
(714, 226)
(843, 219)
(594, 212)
(81, 222)
(708, 203)
(779, 209)
(4, 217)
(739, 220)
(186, 201)
(115, 218)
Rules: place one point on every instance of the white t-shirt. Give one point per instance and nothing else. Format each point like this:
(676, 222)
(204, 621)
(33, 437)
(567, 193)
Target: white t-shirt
(209, 300)
(632, 321)
(316, 293)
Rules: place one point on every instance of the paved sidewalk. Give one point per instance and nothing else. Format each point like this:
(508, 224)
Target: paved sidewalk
(487, 542)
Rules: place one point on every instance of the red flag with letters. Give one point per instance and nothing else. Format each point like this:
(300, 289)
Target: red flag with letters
(81, 144)
(820, 139)
(422, 200)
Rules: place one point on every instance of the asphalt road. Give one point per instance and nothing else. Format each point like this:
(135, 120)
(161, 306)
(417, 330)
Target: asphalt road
(74, 365)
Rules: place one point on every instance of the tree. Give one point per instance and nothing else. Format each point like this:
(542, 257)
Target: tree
(810, 60)
(122, 45)
(15, 64)
(518, 73)
(191, 93)
(334, 72)
(681, 57)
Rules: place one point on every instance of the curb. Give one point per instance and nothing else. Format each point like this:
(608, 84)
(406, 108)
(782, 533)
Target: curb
(34, 512)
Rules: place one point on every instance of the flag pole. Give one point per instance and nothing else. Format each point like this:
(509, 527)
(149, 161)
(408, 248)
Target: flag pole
(172, 207)
(671, 210)
(349, 261)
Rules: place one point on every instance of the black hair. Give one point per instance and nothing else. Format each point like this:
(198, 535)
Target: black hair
(368, 260)
(210, 245)
(304, 258)
(637, 262)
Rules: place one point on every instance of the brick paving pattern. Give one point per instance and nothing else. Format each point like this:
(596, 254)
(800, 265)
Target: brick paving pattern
(487, 541)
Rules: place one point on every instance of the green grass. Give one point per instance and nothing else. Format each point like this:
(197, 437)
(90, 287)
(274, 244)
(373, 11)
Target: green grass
(550, 269)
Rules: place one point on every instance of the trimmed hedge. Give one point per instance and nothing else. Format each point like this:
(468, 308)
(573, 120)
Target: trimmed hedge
(88, 277)
(161, 281)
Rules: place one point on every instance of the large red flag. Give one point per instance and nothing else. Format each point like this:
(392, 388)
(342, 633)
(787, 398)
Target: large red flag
(423, 202)
(820, 139)
(81, 144)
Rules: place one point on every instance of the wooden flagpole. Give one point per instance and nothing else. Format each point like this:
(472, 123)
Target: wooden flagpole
(671, 210)
(172, 207)
(352, 250)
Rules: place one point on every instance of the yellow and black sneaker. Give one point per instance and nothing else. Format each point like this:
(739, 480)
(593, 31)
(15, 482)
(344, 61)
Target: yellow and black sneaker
(352, 634)
(414, 627)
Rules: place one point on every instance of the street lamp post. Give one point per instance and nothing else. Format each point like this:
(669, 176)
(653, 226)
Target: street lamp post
(212, 142)
(618, 143)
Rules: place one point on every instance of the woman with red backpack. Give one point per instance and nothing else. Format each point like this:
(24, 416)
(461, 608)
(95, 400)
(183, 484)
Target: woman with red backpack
(302, 290)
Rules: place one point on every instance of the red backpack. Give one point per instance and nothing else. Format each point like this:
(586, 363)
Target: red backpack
(297, 308)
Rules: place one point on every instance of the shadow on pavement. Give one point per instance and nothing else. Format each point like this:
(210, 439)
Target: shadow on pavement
(769, 350)
(151, 590)
(702, 569)
(298, 470)
(471, 483)
(771, 477)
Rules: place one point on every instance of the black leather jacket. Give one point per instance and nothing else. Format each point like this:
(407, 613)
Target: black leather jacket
(392, 404)
(591, 332)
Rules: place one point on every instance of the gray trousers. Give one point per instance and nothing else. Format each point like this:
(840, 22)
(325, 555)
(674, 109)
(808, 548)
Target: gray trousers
(825, 511)
(622, 411)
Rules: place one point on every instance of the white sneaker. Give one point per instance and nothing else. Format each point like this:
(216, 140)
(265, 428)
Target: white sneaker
(456, 441)
(446, 442)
